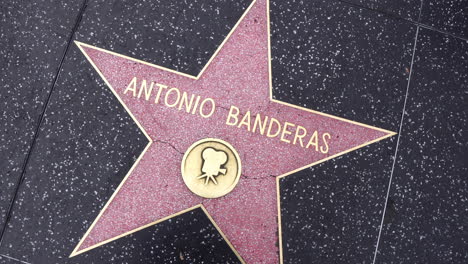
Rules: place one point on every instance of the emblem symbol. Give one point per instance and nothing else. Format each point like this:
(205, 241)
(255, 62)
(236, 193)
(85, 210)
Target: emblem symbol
(212, 162)
(211, 168)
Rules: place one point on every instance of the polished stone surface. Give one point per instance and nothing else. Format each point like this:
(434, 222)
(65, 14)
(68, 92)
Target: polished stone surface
(33, 38)
(331, 212)
(406, 9)
(87, 142)
(429, 191)
(9, 260)
(348, 58)
(188, 238)
(449, 15)
(180, 35)
(85, 147)
(350, 62)
(342, 60)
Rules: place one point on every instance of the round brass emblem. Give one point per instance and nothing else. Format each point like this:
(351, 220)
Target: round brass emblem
(211, 168)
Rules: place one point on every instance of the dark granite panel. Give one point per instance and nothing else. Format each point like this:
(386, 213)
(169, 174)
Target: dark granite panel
(354, 63)
(188, 238)
(407, 9)
(331, 212)
(33, 37)
(4, 259)
(87, 142)
(448, 15)
(339, 59)
(430, 183)
(178, 34)
(85, 147)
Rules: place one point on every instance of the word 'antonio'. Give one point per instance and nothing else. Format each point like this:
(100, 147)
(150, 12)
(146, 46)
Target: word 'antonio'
(172, 97)
(264, 125)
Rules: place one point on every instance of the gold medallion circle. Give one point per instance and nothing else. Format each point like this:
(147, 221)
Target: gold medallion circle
(211, 168)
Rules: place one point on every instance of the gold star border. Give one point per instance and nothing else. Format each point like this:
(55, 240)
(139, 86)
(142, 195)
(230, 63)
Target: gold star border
(150, 141)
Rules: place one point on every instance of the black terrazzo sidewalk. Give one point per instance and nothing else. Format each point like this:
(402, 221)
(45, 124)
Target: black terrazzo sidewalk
(401, 65)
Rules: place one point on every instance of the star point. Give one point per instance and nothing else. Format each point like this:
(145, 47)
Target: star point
(231, 100)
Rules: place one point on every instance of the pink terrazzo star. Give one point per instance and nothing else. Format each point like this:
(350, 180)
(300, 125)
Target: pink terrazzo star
(237, 76)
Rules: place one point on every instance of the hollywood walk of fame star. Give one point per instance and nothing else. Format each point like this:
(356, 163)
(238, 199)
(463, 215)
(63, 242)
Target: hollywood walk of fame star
(235, 83)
